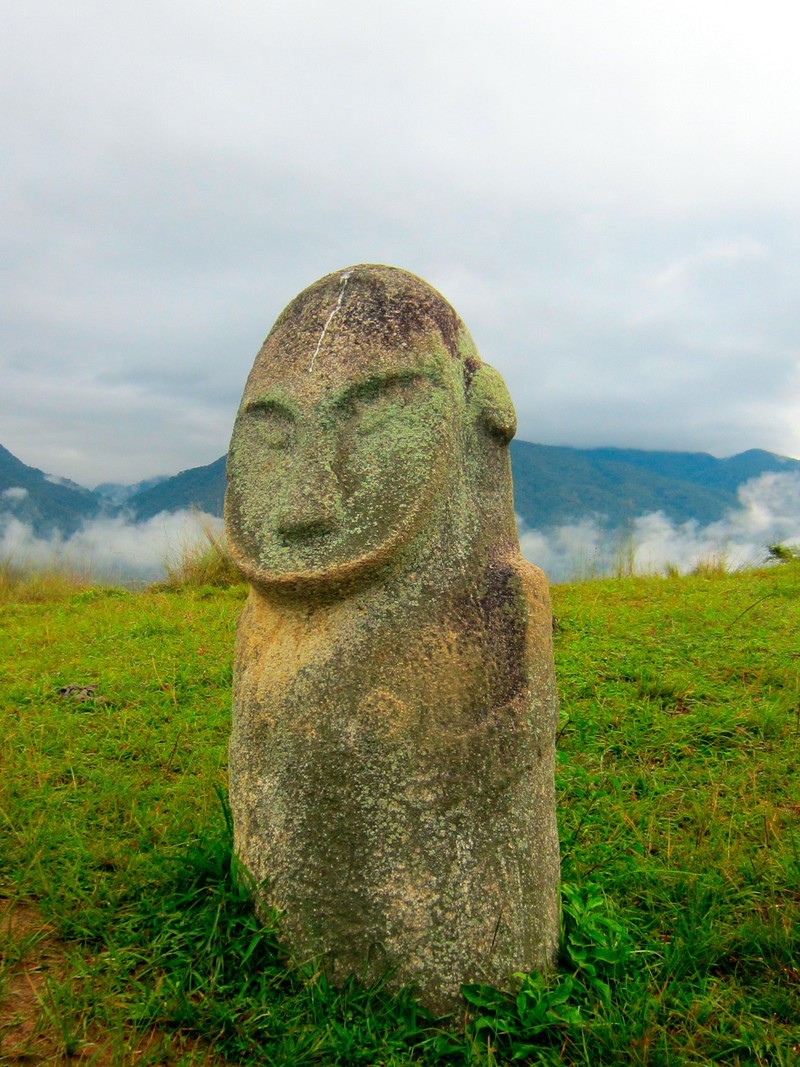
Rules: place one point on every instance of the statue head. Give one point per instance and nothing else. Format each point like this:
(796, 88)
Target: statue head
(354, 428)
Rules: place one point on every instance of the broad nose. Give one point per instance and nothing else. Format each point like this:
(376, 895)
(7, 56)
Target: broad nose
(309, 505)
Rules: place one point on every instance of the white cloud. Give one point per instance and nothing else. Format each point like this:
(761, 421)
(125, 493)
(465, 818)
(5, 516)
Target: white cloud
(768, 513)
(15, 493)
(112, 549)
(720, 253)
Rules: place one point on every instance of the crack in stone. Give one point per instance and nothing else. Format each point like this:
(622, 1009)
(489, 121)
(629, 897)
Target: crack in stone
(345, 277)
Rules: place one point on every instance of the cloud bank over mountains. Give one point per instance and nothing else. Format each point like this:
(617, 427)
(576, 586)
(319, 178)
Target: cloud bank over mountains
(768, 513)
(120, 550)
(109, 549)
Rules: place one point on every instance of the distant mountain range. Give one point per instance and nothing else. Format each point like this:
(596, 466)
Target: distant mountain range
(553, 486)
(199, 487)
(43, 501)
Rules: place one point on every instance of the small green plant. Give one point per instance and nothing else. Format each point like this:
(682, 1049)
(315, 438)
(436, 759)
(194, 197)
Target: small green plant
(779, 553)
(552, 1010)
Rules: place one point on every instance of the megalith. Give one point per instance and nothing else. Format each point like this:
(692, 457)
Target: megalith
(394, 704)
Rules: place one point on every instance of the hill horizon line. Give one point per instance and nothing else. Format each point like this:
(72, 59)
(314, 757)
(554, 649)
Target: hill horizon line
(516, 440)
(108, 485)
(554, 485)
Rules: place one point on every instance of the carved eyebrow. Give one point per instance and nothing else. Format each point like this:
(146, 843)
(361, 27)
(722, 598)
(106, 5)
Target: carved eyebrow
(269, 404)
(375, 383)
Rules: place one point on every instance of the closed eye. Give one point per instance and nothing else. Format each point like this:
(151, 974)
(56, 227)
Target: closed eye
(374, 403)
(271, 422)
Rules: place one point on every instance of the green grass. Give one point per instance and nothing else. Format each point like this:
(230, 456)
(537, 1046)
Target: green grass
(679, 808)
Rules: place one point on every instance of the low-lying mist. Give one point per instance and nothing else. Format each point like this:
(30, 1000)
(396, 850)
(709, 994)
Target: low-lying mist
(768, 513)
(119, 550)
(109, 549)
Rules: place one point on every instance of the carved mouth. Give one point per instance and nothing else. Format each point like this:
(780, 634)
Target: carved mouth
(306, 535)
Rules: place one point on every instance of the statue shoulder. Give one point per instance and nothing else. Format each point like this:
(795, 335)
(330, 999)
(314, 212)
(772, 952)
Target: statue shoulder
(533, 580)
(535, 592)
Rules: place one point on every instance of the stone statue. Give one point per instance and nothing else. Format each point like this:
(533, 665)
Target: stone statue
(391, 759)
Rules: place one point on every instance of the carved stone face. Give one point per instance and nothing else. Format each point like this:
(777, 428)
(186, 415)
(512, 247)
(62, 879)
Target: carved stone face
(339, 450)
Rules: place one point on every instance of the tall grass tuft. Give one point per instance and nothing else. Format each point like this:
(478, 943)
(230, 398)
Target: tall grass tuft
(204, 561)
(712, 566)
(31, 584)
(624, 562)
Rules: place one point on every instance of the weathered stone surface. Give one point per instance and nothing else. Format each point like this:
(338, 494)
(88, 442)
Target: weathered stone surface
(391, 760)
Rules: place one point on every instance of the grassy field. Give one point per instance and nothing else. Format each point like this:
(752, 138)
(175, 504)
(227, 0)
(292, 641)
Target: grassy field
(126, 937)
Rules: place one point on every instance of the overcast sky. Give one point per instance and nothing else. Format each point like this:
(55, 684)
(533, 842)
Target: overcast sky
(607, 192)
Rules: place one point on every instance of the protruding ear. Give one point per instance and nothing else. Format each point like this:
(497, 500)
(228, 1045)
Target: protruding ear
(490, 404)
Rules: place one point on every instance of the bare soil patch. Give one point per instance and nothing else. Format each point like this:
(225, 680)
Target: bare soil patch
(33, 961)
